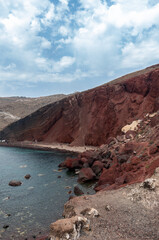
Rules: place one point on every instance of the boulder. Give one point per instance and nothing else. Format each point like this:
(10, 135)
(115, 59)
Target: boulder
(68, 228)
(15, 183)
(149, 183)
(123, 158)
(73, 163)
(91, 212)
(97, 167)
(28, 176)
(86, 174)
(78, 191)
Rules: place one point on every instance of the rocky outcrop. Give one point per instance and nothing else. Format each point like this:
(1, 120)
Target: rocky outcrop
(127, 213)
(93, 116)
(127, 159)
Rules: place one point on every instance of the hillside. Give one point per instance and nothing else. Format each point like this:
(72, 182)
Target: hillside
(91, 117)
(15, 108)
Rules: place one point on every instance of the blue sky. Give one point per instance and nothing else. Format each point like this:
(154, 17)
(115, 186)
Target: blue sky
(64, 46)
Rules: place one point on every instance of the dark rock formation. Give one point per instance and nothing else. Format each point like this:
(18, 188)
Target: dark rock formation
(91, 117)
(86, 174)
(28, 176)
(78, 191)
(14, 183)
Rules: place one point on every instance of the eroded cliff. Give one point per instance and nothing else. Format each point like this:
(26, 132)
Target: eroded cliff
(91, 117)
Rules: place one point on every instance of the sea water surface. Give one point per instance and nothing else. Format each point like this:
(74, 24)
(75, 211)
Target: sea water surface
(30, 208)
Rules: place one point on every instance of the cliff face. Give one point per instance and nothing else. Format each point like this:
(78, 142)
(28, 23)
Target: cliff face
(91, 117)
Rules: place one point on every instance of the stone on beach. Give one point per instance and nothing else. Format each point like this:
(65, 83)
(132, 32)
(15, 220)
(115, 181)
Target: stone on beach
(69, 228)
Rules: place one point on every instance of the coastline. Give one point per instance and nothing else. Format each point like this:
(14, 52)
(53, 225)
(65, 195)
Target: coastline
(62, 147)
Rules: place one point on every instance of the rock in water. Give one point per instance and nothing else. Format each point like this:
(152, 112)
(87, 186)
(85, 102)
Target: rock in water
(28, 176)
(15, 183)
(86, 174)
(78, 191)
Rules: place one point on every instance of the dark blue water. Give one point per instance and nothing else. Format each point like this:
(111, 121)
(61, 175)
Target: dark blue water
(38, 201)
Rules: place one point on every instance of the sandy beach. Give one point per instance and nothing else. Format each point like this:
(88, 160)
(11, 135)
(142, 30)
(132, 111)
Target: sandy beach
(50, 146)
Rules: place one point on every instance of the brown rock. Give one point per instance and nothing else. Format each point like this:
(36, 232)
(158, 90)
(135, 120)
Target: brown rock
(78, 191)
(73, 163)
(86, 174)
(28, 176)
(68, 228)
(97, 167)
(153, 149)
(15, 183)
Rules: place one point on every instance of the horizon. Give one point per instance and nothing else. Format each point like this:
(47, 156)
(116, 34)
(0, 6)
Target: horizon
(65, 46)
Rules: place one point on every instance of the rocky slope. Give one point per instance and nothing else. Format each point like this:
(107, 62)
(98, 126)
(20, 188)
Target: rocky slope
(91, 117)
(126, 159)
(129, 213)
(15, 108)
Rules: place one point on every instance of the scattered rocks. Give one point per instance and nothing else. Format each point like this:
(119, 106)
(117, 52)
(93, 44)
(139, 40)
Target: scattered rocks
(15, 183)
(69, 228)
(78, 191)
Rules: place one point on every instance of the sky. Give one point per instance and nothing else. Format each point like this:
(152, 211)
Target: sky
(64, 46)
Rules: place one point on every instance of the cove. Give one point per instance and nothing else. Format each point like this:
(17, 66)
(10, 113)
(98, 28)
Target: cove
(30, 208)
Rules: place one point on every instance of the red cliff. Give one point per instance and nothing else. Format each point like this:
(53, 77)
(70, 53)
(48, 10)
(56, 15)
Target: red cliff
(91, 117)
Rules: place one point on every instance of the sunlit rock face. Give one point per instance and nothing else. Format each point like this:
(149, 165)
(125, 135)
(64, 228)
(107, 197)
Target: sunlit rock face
(93, 116)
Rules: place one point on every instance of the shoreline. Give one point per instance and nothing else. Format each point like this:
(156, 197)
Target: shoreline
(61, 147)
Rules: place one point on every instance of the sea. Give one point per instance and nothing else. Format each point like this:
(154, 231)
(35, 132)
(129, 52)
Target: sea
(28, 210)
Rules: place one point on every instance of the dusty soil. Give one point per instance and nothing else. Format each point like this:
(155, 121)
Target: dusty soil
(129, 213)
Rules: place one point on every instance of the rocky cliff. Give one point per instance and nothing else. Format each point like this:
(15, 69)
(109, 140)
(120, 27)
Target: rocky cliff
(91, 117)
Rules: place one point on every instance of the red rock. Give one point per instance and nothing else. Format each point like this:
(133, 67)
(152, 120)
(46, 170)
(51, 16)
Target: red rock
(86, 174)
(15, 183)
(97, 167)
(153, 149)
(73, 163)
(83, 160)
(28, 176)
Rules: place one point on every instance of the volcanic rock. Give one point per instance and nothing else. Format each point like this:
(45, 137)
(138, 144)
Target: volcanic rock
(28, 176)
(86, 174)
(97, 167)
(15, 183)
(78, 191)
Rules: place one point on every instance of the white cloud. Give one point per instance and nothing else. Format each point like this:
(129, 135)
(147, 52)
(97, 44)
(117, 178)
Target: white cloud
(63, 31)
(64, 62)
(46, 41)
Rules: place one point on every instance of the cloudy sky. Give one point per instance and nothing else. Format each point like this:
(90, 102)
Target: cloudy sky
(63, 46)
